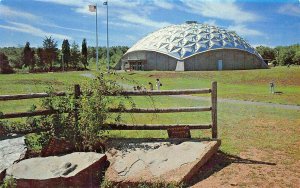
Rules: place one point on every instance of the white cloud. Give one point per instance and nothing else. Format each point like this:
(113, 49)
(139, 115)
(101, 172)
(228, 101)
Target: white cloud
(211, 22)
(163, 4)
(25, 28)
(142, 20)
(7, 12)
(66, 2)
(290, 9)
(243, 30)
(224, 10)
(66, 28)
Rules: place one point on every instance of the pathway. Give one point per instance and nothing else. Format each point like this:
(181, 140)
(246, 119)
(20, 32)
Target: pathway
(234, 101)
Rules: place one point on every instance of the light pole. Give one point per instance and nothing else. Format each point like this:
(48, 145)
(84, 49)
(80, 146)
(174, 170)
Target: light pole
(107, 42)
(93, 8)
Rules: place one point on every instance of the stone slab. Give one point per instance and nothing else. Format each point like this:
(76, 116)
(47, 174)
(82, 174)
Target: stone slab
(12, 149)
(75, 169)
(168, 161)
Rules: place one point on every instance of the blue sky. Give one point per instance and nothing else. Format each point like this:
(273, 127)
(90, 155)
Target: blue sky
(260, 22)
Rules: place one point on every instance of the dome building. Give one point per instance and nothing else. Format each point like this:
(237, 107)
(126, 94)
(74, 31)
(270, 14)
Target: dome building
(191, 47)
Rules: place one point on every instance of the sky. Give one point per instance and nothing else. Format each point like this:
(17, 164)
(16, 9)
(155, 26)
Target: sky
(260, 22)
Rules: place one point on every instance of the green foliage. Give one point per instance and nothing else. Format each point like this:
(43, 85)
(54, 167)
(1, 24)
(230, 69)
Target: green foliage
(9, 182)
(75, 55)
(84, 53)
(5, 68)
(296, 58)
(14, 56)
(266, 52)
(50, 51)
(28, 57)
(90, 109)
(285, 56)
(65, 49)
(281, 55)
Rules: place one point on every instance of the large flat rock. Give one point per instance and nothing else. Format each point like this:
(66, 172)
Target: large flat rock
(75, 169)
(11, 150)
(173, 161)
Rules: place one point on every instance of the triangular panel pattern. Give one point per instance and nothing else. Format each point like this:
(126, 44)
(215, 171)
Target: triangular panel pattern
(185, 40)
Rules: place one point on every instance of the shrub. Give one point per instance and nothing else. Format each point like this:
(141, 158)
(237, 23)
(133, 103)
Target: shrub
(5, 68)
(92, 113)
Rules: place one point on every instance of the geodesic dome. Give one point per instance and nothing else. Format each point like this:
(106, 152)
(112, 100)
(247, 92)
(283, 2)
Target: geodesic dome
(185, 40)
(191, 46)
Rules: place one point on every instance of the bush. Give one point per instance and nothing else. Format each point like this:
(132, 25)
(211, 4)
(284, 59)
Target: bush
(5, 68)
(92, 113)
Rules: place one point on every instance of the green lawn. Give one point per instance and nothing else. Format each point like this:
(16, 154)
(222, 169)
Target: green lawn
(252, 85)
(241, 126)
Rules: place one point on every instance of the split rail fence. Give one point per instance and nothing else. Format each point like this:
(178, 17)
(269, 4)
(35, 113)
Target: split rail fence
(77, 93)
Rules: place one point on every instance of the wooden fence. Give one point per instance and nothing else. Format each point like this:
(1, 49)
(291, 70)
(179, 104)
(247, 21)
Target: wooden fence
(77, 93)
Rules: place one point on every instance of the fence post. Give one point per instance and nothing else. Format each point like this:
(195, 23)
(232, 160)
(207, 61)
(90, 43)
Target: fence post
(76, 95)
(214, 109)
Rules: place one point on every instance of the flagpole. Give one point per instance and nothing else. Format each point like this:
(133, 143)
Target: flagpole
(97, 58)
(107, 43)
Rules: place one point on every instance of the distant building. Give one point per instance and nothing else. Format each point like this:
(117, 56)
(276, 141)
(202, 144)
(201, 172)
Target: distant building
(191, 47)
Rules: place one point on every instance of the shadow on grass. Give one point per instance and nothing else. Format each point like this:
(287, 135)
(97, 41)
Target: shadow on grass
(219, 161)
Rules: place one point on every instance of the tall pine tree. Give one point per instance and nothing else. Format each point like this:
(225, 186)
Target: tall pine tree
(65, 49)
(28, 56)
(84, 53)
(50, 51)
(75, 55)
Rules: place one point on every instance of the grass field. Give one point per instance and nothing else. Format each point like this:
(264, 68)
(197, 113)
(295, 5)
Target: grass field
(251, 85)
(253, 132)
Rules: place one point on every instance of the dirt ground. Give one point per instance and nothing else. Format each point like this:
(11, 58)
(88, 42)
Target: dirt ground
(254, 168)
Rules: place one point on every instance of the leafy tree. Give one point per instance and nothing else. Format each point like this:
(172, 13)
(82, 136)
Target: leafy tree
(28, 56)
(266, 52)
(296, 58)
(84, 53)
(50, 51)
(75, 55)
(65, 48)
(5, 68)
(285, 56)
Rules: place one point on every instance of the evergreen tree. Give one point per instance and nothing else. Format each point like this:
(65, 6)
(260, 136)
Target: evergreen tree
(84, 53)
(50, 51)
(65, 48)
(28, 56)
(40, 58)
(5, 68)
(75, 55)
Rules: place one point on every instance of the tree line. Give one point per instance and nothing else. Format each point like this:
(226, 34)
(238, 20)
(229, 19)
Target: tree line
(281, 55)
(50, 58)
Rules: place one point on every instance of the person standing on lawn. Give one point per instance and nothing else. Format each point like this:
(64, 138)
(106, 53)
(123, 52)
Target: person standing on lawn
(158, 84)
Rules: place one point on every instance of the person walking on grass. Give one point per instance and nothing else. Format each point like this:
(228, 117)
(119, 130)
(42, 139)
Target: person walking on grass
(272, 87)
(158, 84)
(150, 86)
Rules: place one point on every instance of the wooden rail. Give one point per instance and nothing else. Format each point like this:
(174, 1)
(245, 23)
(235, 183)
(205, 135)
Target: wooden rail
(113, 110)
(123, 93)
(30, 96)
(153, 126)
(77, 93)
(161, 110)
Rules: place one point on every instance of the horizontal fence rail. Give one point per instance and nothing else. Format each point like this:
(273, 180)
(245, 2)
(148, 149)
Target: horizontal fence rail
(164, 92)
(122, 93)
(113, 110)
(153, 126)
(161, 110)
(30, 96)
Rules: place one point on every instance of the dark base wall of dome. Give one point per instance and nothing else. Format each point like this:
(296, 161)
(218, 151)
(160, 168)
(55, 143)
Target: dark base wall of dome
(231, 59)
